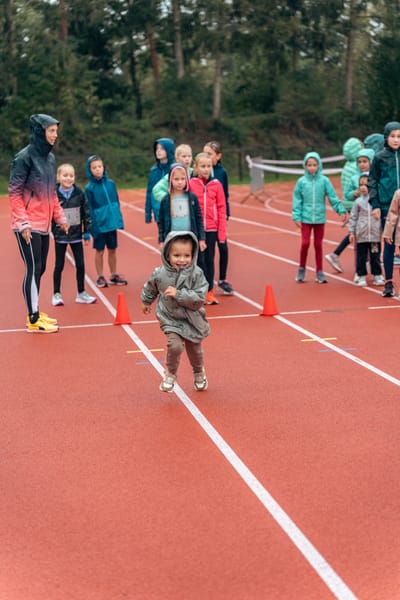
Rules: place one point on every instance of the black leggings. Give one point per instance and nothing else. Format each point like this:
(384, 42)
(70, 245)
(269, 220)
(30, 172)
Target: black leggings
(77, 251)
(34, 256)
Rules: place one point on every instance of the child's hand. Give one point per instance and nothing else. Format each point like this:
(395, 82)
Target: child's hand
(170, 291)
(65, 227)
(146, 308)
(376, 213)
(351, 238)
(397, 251)
(202, 245)
(388, 240)
(344, 217)
(298, 224)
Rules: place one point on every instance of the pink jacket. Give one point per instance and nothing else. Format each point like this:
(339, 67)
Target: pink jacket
(211, 197)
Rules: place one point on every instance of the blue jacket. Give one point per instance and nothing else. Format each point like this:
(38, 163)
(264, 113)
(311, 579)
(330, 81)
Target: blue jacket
(103, 202)
(310, 193)
(157, 172)
(384, 175)
(220, 173)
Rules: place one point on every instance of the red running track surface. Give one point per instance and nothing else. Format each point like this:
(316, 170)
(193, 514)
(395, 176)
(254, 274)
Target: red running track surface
(278, 483)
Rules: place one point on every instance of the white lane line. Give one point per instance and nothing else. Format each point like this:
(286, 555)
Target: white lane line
(322, 568)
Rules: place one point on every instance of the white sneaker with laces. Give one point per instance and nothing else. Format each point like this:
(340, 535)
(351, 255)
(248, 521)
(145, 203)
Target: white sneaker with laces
(84, 298)
(167, 384)
(362, 281)
(57, 299)
(200, 381)
(379, 280)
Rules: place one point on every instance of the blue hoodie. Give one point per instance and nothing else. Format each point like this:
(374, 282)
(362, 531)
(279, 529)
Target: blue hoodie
(157, 172)
(309, 196)
(103, 202)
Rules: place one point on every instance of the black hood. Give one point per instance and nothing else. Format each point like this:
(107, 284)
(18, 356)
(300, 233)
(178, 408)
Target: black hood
(38, 125)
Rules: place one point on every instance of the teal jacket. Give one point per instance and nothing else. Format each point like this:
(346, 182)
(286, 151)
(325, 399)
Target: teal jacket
(102, 197)
(351, 147)
(349, 197)
(384, 175)
(310, 193)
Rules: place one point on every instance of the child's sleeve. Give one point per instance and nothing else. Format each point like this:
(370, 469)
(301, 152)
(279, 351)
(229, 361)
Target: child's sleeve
(392, 217)
(353, 218)
(85, 214)
(373, 183)
(333, 198)
(160, 188)
(193, 298)
(221, 212)
(150, 289)
(297, 203)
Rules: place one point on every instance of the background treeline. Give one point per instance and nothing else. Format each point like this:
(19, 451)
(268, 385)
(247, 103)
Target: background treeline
(265, 77)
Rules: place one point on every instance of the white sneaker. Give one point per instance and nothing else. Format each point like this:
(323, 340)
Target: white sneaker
(200, 381)
(356, 278)
(57, 299)
(167, 384)
(362, 281)
(334, 261)
(84, 298)
(379, 280)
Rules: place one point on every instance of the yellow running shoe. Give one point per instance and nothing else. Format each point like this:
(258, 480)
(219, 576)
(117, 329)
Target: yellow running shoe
(44, 317)
(41, 326)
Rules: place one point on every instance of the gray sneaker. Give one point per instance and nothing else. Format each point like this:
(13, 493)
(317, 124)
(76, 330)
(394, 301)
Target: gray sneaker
(334, 261)
(200, 381)
(57, 299)
(321, 277)
(84, 298)
(167, 384)
(301, 273)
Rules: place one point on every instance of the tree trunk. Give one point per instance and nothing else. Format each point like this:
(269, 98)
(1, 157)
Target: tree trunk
(180, 67)
(153, 52)
(10, 53)
(216, 113)
(350, 56)
(135, 83)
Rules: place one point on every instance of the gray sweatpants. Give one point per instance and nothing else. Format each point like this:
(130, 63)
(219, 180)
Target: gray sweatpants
(175, 346)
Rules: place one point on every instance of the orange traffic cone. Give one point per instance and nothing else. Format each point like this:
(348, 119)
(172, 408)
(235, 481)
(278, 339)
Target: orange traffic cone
(270, 308)
(122, 317)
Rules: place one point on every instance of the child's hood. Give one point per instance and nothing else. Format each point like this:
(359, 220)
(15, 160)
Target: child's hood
(169, 147)
(351, 147)
(375, 141)
(317, 157)
(89, 174)
(391, 126)
(174, 167)
(37, 137)
(366, 152)
(168, 241)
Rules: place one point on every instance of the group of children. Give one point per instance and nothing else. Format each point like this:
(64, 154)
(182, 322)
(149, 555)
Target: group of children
(191, 207)
(370, 182)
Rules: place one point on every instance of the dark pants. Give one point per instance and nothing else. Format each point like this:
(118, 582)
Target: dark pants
(209, 257)
(369, 251)
(388, 253)
(77, 251)
(342, 246)
(34, 256)
(223, 259)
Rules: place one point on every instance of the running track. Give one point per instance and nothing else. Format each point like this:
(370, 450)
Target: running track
(278, 483)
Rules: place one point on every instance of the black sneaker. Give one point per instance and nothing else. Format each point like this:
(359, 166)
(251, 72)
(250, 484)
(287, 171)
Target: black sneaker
(225, 287)
(388, 291)
(101, 282)
(117, 280)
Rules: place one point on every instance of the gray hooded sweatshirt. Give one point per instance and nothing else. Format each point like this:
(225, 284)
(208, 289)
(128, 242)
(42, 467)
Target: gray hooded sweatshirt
(185, 314)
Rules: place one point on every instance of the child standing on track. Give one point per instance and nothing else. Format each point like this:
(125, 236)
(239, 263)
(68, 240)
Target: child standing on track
(34, 203)
(211, 197)
(214, 151)
(180, 288)
(106, 217)
(76, 209)
(163, 149)
(179, 208)
(309, 211)
(183, 156)
(366, 231)
(364, 161)
(383, 181)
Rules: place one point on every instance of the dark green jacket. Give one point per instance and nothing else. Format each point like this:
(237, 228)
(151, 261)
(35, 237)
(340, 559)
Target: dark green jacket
(384, 176)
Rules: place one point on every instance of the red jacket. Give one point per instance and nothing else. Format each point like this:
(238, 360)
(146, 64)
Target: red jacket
(212, 202)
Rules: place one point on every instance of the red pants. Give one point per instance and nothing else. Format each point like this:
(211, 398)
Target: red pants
(306, 229)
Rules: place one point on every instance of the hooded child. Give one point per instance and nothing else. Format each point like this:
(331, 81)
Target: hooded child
(180, 288)
(163, 149)
(105, 212)
(383, 181)
(309, 211)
